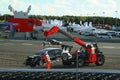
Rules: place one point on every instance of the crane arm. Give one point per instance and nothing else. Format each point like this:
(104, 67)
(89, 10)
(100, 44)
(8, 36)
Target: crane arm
(56, 29)
(51, 31)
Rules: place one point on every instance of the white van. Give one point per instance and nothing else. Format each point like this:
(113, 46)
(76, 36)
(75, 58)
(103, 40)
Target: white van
(103, 35)
(117, 34)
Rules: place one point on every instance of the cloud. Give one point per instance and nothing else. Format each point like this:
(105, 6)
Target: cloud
(35, 9)
(52, 9)
(63, 7)
(3, 7)
(98, 7)
(18, 5)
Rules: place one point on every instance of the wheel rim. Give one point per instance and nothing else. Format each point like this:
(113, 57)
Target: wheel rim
(64, 57)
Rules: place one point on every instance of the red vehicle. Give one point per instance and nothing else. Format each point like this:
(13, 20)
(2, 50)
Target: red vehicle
(21, 22)
(24, 24)
(89, 55)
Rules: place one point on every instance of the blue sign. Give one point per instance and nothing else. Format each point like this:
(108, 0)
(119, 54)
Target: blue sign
(8, 23)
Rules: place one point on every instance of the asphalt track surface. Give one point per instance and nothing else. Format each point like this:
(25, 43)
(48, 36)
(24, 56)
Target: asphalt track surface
(14, 52)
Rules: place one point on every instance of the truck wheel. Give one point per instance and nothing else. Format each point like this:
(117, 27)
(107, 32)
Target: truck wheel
(100, 60)
(81, 62)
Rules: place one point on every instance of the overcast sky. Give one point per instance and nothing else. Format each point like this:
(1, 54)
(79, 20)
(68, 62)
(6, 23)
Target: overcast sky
(108, 8)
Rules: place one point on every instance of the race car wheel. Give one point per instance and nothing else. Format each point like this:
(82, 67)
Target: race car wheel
(28, 61)
(41, 63)
(33, 65)
(67, 62)
(64, 56)
(100, 60)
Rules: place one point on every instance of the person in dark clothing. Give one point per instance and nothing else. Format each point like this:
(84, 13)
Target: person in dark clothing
(96, 46)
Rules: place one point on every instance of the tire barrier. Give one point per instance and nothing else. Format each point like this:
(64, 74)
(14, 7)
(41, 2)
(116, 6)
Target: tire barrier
(44, 75)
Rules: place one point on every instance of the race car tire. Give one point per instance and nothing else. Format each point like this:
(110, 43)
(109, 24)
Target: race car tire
(41, 63)
(64, 56)
(67, 62)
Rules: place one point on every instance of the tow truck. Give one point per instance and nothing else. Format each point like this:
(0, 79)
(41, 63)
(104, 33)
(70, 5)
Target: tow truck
(83, 57)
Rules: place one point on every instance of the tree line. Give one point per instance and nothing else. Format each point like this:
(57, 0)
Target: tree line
(94, 19)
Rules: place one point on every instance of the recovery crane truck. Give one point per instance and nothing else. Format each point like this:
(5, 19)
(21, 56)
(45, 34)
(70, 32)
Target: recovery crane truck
(86, 56)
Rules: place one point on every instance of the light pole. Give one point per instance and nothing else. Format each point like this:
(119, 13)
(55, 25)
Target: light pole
(116, 19)
(103, 18)
(87, 17)
(93, 18)
(77, 65)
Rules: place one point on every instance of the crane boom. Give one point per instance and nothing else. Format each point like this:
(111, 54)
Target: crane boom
(56, 29)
